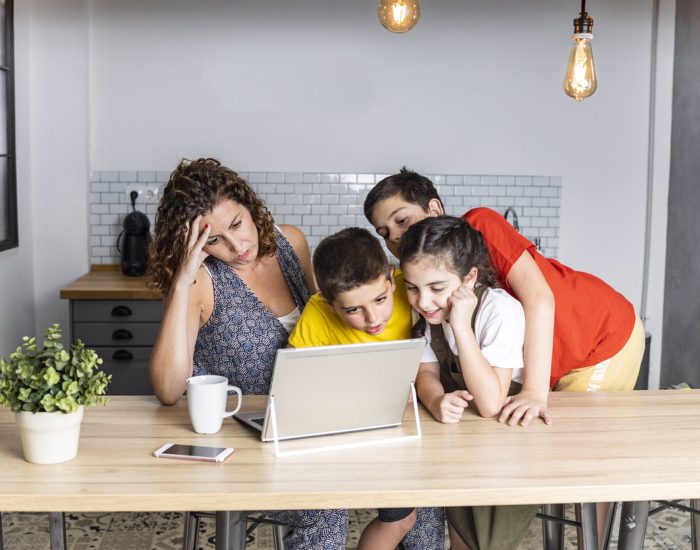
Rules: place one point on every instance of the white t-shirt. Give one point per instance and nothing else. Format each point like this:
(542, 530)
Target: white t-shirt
(499, 331)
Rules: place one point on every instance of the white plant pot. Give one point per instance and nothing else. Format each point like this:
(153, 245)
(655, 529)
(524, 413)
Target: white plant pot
(49, 438)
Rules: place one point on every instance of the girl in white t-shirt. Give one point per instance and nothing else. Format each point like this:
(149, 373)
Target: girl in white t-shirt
(475, 350)
(450, 284)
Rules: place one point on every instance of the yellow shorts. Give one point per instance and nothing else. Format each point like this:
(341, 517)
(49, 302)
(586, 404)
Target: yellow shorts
(617, 373)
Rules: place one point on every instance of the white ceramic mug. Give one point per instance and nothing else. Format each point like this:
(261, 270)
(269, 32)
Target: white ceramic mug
(206, 401)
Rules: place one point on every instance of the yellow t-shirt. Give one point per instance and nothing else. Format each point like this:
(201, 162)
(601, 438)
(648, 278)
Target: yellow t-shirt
(320, 325)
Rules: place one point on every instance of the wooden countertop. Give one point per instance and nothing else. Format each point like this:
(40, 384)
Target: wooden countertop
(106, 282)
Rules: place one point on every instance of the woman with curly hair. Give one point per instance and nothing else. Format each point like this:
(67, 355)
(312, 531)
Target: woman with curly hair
(234, 285)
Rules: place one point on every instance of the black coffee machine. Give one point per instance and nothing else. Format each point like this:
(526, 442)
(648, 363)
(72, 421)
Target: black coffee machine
(133, 241)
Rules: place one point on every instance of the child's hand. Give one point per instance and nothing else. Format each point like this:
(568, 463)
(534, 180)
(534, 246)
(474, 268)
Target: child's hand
(462, 303)
(448, 408)
(524, 407)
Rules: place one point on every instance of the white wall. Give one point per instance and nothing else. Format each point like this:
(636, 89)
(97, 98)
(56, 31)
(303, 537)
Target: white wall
(319, 85)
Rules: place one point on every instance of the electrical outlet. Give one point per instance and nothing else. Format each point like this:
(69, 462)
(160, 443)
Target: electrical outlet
(148, 193)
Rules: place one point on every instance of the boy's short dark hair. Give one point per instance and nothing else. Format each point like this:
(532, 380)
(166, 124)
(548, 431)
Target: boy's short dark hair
(409, 185)
(348, 259)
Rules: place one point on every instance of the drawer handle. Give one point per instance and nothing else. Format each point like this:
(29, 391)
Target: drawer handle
(122, 355)
(121, 311)
(122, 334)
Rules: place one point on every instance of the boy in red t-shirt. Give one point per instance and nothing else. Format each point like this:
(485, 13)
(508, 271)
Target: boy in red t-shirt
(580, 333)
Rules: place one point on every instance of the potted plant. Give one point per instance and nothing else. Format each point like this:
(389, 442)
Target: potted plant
(47, 389)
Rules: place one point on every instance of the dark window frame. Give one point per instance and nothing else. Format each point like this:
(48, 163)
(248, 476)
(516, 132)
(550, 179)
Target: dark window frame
(11, 239)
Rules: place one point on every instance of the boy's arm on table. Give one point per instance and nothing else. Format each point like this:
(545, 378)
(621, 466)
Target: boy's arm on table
(535, 295)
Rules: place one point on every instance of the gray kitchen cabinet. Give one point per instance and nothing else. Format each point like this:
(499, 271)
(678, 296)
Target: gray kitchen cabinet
(122, 332)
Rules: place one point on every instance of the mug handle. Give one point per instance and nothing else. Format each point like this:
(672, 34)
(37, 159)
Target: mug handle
(240, 401)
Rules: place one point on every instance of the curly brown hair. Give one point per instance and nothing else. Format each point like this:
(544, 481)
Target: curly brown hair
(195, 188)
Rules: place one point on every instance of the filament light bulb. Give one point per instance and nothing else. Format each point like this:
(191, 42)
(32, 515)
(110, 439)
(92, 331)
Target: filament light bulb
(580, 81)
(398, 15)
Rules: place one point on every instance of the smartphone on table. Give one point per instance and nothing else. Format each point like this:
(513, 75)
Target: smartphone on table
(193, 452)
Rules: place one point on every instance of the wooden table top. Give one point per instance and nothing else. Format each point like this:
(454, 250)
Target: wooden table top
(641, 445)
(106, 282)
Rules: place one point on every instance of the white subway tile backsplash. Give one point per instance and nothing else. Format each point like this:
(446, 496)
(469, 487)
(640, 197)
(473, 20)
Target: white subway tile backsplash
(329, 199)
(109, 175)
(320, 209)
(146, 176)
(118, 209)
(293, 177)
(275, 177)
(99, 187)
(257, 177)
(318, 178)
(99, 208)
(127, 175)
(323, 203)
(303, 188)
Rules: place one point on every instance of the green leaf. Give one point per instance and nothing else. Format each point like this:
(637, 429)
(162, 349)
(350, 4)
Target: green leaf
(51, 377)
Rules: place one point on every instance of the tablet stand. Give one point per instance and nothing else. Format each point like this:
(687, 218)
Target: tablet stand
(280, 453)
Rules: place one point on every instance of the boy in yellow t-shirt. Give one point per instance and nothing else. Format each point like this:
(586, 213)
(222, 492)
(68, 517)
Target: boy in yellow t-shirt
(363, 299)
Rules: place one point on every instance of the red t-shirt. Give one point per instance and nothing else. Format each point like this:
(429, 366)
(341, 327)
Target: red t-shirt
(592, 321)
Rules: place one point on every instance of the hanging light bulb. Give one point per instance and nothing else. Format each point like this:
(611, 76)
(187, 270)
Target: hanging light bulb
(580, 81)
(398, 15)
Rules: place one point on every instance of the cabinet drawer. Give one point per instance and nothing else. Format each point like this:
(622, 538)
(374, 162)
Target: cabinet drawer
(116, 334)
(129, 370)
(117, 310)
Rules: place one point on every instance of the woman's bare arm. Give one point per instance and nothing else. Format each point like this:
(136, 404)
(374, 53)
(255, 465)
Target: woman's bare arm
(190, 292)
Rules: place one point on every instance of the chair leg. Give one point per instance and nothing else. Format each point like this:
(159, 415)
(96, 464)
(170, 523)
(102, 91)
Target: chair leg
(633, 525)
(57, 531)
(278, 532)
(694, 524)
(553, 531)
(609, 520)
(230, 530)
(588, 529)
(190, 536)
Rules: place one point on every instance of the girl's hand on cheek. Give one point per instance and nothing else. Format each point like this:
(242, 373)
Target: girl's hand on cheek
(462, 304)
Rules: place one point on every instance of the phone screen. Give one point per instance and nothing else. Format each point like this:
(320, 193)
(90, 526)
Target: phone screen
(195, 451)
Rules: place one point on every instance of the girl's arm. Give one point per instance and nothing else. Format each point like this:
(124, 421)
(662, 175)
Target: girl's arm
(445, 407)
(171, 360)
(535, 295)
(300, 245)
(489, 385)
